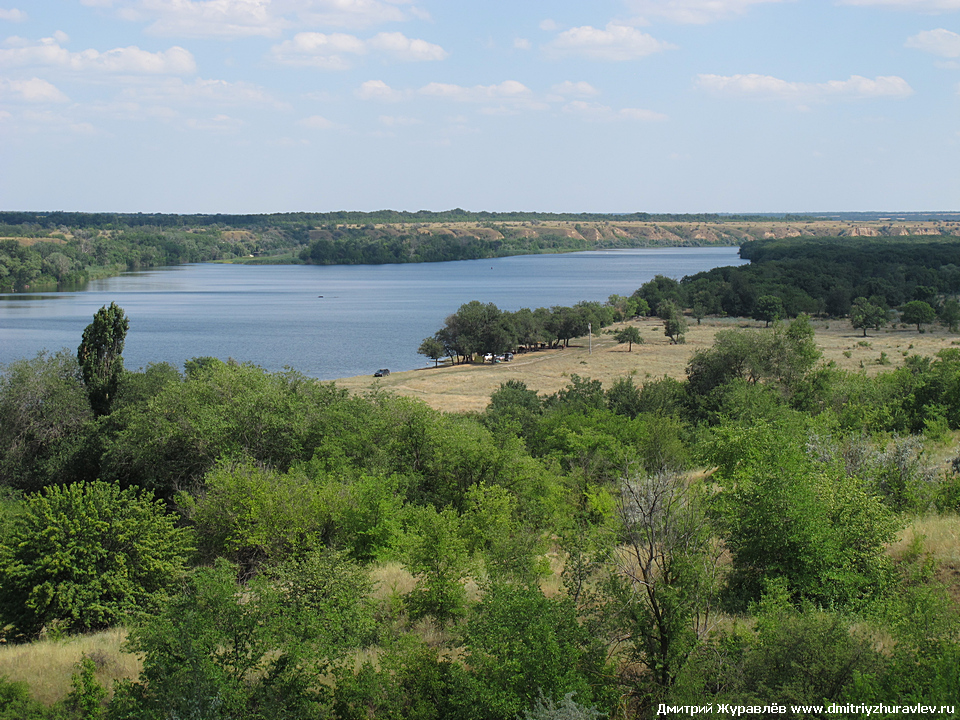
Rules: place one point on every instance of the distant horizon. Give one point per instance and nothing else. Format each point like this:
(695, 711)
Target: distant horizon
(891, 214)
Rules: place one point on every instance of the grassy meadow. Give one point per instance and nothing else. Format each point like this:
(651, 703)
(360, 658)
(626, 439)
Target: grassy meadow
(467, 388)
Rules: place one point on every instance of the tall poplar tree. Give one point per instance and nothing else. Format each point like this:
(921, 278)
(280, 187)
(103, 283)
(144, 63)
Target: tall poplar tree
(99, 355)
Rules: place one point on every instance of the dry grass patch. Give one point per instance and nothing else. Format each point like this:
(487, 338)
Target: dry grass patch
(47, 665)
(390, 578)
(938, 537)
(28, 241)
(467, 388)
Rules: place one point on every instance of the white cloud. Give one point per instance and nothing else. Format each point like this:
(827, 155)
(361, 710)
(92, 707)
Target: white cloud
(353, 13)
(696, 12)
(508, 89)
(548, 25)
(378, 90)
(34, 90)
(403, 48)
(506, 98)
(921, 6)
(937, 42)
(332, 51)
(206, 18)
(602, 113)
(12, 15)
(580, 89)
(318, 50)
(218, 123)
(47, 121)
(255, 18)
(202, 92)
(616, 43)
(130, 111)
(317, 122)
(129, 60)
(767, 87)
(521, 44)
(399, 121)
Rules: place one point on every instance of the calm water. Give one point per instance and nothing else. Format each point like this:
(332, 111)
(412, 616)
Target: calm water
(327, 322)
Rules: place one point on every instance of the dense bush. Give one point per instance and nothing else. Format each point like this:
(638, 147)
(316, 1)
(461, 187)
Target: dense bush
(87, 556)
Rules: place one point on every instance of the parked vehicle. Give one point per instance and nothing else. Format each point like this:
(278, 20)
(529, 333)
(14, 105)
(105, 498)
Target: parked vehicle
(383, 372)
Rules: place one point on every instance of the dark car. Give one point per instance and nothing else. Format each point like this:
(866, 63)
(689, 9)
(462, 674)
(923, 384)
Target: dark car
(381, 373)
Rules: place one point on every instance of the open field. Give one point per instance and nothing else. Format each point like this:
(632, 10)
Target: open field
(465, 388)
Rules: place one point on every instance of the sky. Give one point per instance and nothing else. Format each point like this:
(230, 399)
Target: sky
(686, 106)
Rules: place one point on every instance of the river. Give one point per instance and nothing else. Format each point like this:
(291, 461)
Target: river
(327, 322)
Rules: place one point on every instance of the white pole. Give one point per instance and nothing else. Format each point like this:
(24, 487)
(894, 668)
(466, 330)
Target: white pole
(590, 336)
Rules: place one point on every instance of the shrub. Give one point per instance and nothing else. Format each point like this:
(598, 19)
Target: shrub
(84, 556)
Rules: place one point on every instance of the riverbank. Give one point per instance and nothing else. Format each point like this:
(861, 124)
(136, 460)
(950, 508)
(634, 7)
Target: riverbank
(467, 388)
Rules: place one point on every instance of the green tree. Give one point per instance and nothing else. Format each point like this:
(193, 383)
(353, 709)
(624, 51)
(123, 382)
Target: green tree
(85, 556)
(950, 314)
(624, 308)
(630, 335)
(16, 703)
(917, 312)
(790, 516)
(674, 324)
(699, 311)
(513, 403)
(438, 559)
(623, 397)
(768, 309)
(226, 410)
(219, 650)
(433, 349)
(659, 290)
(865, 314)
(99, 355)
(44, 412)
(494, 531)
(86, 694)
(523, 645)
(785, 356)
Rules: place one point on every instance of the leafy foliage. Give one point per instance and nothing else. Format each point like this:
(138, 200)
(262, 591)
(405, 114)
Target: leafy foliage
(866, 314)
(221, 651)
(87, 556)
(99, 355)
(810, 524)
(45, 412)
(630, 335)
(917, 312)
(522, 643)
(438, 559)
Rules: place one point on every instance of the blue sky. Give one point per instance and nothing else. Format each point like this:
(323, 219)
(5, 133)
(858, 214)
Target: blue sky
(249, 106)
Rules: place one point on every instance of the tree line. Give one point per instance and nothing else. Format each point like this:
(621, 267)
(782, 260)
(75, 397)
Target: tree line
(58, 219)
(482, 328)
(56, 262)
(589, 553)
(824, 276)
